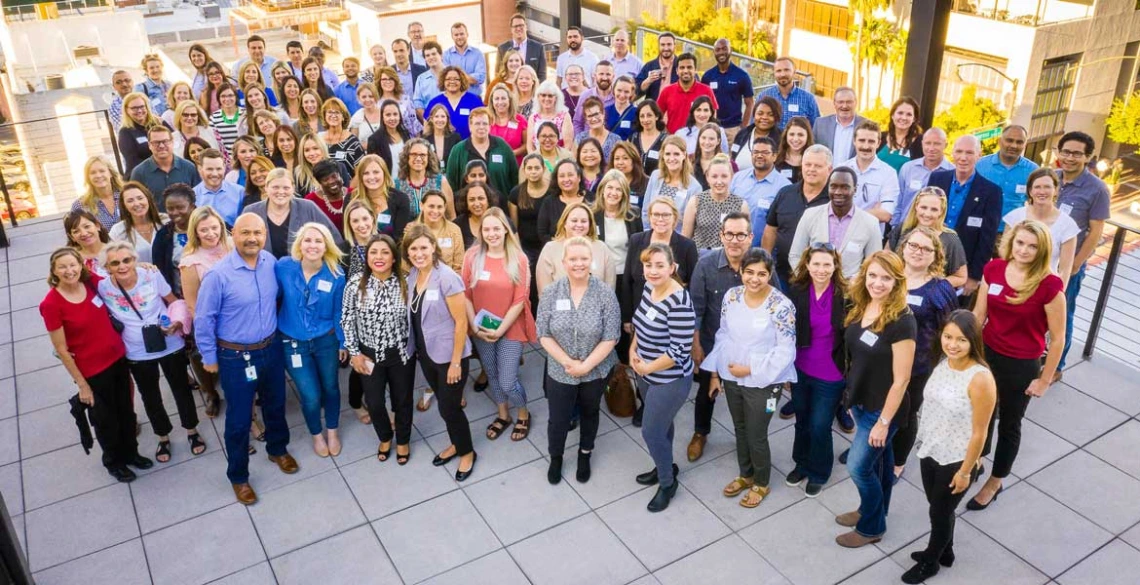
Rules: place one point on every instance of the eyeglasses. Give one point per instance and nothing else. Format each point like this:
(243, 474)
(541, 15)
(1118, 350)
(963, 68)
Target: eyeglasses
(734, 237)
(763, 153)
(1070, 153)
(161, 142)
(137, 108)
(594, 116)
(916, 247)
(419, 155)
(824, 246)
(117, 263)
(661, 216)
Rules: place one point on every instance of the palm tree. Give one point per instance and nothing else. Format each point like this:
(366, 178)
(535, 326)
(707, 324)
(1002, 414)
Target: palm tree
(896, 57)
(863, 10)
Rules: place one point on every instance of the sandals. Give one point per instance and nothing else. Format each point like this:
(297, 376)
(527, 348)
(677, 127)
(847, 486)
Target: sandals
(403, 459)
(425, 402)
(738, 485)
(497, 428)
(381, 453)
(522, 429)
(162, 455)
(754, 496)
(258, 430)
(197, 445)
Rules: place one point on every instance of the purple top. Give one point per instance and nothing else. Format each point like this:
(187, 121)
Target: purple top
(837, 226)
(815, 360)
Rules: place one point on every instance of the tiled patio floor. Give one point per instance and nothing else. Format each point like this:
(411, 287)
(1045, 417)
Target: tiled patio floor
(1070, 516)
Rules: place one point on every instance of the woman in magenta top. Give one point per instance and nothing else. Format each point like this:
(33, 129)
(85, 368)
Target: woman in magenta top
(496, 277)
(506, 122)
(817, 290)
(1019, 301)
(94, 355)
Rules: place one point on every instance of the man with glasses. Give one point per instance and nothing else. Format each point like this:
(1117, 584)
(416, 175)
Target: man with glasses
(603, 89)
(973, 209)
(122, 84)
(163, 168)
(502, 166)
(1086, 199)
(759, 185)
(852, 232)
(467, 58)
(837, 131)
(713, 275)
(416, 39)
(733, 89)
(427, 84)
(531, 51)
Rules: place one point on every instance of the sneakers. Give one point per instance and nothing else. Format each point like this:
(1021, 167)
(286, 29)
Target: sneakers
(794, 479)
(812, 490)
(846, 423)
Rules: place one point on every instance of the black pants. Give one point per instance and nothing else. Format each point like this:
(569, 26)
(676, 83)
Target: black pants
(703, 411)
(1012, 376)
(936, 483)
(113, 414)
(355, 390)
(174, 368)
(450, 398)
(399, 378)
(904, 438)
(563, 398)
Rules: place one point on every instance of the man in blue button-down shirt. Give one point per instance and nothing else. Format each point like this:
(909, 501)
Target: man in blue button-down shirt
(235, 329)
(759, 185)
(467, 58)
(427, 84)
(1008, 168)
(346, 90)
(793, 100)
(214, 190)
(914, 174)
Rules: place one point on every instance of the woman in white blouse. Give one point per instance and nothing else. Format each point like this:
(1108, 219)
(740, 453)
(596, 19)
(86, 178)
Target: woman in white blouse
(140, 219)
(754, 356)
(1043, 188)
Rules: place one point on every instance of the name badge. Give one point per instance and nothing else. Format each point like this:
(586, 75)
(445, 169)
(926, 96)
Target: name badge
(916, 184)
(445, 242)
(1067, 209)
(651, 314)
(787, 173)
(634, 199)
(497, 158)
(914, 300)
(484, 275)
(98, 302)
(973, 222)
(340, 154)
(771, 405)
(431, 295)
(141, 140)
(250, 373)
(513, 125)
(1019, 189)
(384, 218)
(995, 289)
(562, 305)
(464, 111)
(793, 108)
(713, 84)
(652, 154)
(624, 124)
(868, 338)
(324, 286)
(295, 360)
(735, 148)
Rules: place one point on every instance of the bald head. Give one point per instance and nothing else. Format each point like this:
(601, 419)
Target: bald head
(934, 147)
(249, 235)
(967, 149)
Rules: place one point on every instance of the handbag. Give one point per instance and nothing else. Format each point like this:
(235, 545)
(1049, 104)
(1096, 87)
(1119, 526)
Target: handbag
(619, 394)
(154, 340)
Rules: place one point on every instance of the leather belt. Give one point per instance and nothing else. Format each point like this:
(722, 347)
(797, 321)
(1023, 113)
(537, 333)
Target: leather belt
(264, 343)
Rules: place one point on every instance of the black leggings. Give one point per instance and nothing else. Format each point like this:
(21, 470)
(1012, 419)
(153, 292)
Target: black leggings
(355, 391)
(564, 400)
(113, 414)
(450, 398)
(936, 483)
(904, 438)
(400, 379)
(174, 368)
(1012, 376)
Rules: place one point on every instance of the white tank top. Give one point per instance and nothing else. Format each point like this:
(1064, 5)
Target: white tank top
(946, 419)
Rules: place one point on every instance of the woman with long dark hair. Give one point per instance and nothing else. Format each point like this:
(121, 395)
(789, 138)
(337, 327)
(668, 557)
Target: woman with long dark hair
(902, 140)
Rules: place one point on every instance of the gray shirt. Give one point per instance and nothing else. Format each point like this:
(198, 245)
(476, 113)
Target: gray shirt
(578, 330)
(1084, 199)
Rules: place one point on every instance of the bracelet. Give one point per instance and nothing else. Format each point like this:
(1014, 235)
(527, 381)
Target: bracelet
(961, 474)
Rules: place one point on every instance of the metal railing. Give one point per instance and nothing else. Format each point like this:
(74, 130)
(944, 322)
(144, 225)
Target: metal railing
(1121, 316)
(39, 9)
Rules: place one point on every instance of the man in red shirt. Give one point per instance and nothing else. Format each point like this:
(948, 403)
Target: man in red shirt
(676, 99)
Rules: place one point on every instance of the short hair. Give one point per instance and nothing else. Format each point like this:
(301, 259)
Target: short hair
(402, 41)
(333, 252)
(334, 103)
(324, 168)
(157, 129)
(842, 89)
(179, 190)
(819, 149)
(871, 125)
(786, 59)
(117, 246)
(350, 60)
(459, 25)
(603, 63)
(847, 171)
(736, 215)
(666, 35)
(1078, 136)
(210, 153)
(766, 140)
(432, 45)
(516, 16)
(1014, 127)
(483, 111)
(576, 29)
(687, 57)
(254, 39)
(294, 45)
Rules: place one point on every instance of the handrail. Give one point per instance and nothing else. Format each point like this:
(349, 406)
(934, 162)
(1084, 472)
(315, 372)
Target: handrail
(1106, 283)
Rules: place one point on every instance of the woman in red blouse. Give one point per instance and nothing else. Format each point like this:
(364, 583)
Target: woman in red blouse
(1023, 300)
(93, 354)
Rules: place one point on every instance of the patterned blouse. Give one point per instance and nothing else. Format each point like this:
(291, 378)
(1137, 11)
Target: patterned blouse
(107, 217)
(578, 330)
(946, 422)
(379, 321)
(764, 339)
(710, 216)
(415, 194)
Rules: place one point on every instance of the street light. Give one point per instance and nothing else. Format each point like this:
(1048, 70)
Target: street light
(1011, 80)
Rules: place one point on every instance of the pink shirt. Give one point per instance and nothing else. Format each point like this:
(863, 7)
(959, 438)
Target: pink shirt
(514, 136)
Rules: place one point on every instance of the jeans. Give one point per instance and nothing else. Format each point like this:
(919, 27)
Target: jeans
(814, 402)
(113, 414)
(904, 440)
(564, 400)
(703, 407)
(400, 379)
(873, 473)
(316, 379)
(936, 483)
(450, 398)
(270, 387)
(662, 402)
(750, 418)
(174, 368)
(501, 362)
(1012, 377)
(1072, 291)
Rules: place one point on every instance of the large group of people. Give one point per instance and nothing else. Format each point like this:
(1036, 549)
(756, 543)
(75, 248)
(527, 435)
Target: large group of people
(648, 225)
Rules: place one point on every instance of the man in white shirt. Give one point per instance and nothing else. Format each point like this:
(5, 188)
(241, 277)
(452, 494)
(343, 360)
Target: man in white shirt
(878, 190)
(575, 55)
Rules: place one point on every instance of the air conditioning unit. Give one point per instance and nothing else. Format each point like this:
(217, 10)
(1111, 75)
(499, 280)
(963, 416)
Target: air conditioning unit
(85, 52)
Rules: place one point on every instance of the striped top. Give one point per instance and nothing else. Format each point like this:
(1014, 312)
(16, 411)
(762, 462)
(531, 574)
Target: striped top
(229, 131)
(666, 327)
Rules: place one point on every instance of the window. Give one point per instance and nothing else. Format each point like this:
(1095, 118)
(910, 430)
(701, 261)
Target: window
(827, 80)
(821, 18)
(1054, 94)
(961, 68)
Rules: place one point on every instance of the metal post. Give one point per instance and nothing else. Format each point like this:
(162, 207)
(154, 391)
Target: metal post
(114, 141)
(7, 200)
(924, 49)
(13, 565)
(1105, 289)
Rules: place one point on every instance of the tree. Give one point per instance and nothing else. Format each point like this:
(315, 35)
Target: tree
(969, 115)
(873, 43)
(896, 56)
(1123, 121)
(863, 10)
(702, 21)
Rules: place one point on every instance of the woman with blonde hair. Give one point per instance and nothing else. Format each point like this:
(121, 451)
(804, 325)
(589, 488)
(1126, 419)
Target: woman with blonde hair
(344, 147)
(102, 187)
(506, 121)
(705, 213)
(497, 279)
(284, 214)
(439, 132)
(311, 287)
(419, 172)
(179, 92)
(310, 151)
(190, 121)
(880, 330)
(141, 219)
(373, 184)
(134, 145)
(1021, 301)
(367, 119)
(510, 62)
(551, 108)
(673, 178)
(250, 76)
(928, 210)
(207, 242)
(448, 236)
(577, 221)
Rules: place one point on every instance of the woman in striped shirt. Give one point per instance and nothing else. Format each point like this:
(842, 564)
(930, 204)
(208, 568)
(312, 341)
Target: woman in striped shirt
(661, 355)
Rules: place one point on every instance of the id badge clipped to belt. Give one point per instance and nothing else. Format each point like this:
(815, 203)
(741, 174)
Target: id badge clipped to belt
(250, 369)
(295, 359)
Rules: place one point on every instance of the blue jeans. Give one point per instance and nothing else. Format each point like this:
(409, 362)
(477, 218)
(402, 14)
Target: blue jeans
(316, 378)
(814, 402)
(662, 402)
(873, 472)
(270, 386)
(1072, 291)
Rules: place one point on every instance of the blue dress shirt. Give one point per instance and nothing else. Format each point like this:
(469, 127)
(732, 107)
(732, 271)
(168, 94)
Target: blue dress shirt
(226, 200)
(957, 198)
(471, 60)
(1012, 180)
(236, 303)
(309, 309)
(798, 103)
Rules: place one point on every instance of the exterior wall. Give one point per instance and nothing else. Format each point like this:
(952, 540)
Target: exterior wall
(46, 45)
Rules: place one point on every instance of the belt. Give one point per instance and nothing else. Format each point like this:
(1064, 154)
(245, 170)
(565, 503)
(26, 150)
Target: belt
(264, 343)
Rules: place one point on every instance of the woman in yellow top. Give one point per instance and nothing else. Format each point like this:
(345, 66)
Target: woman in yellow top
(433, 214)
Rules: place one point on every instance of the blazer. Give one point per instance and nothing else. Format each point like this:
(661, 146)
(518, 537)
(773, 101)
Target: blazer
(823, 131)
(378, 144)
(801, 298)
(416, 70)
(437, 322)
(632, 226)
(862, 239)
(633, 279)
(301, 212)
(535, 56)
(983, 203)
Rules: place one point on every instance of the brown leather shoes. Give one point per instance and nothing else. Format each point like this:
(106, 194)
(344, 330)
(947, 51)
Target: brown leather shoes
(285, 463)
(245, 494)
(848, 519)
(855, 540)
(697, 446)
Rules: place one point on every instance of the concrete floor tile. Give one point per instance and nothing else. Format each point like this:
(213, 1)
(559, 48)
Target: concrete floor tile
(599, 556)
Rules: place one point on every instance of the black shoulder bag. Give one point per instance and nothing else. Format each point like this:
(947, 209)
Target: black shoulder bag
(154, 340)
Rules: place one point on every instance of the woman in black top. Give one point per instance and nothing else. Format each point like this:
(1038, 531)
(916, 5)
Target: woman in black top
(880, 330)
(166, 251)
(766, 118)
(650, 135)
(626, 159)
(566, 189)
(391, 132)
(525, 200)
(137, 119)
(471, 202)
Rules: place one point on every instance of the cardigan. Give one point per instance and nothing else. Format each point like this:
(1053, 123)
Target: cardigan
(300, 213)
(801, 298)
(633, 279)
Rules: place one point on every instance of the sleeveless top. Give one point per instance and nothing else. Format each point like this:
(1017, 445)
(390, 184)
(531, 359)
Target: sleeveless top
(710, 215)
(432, 183)
(946, 420)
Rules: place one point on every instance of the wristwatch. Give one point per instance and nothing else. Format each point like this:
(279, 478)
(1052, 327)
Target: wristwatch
(884, 421)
